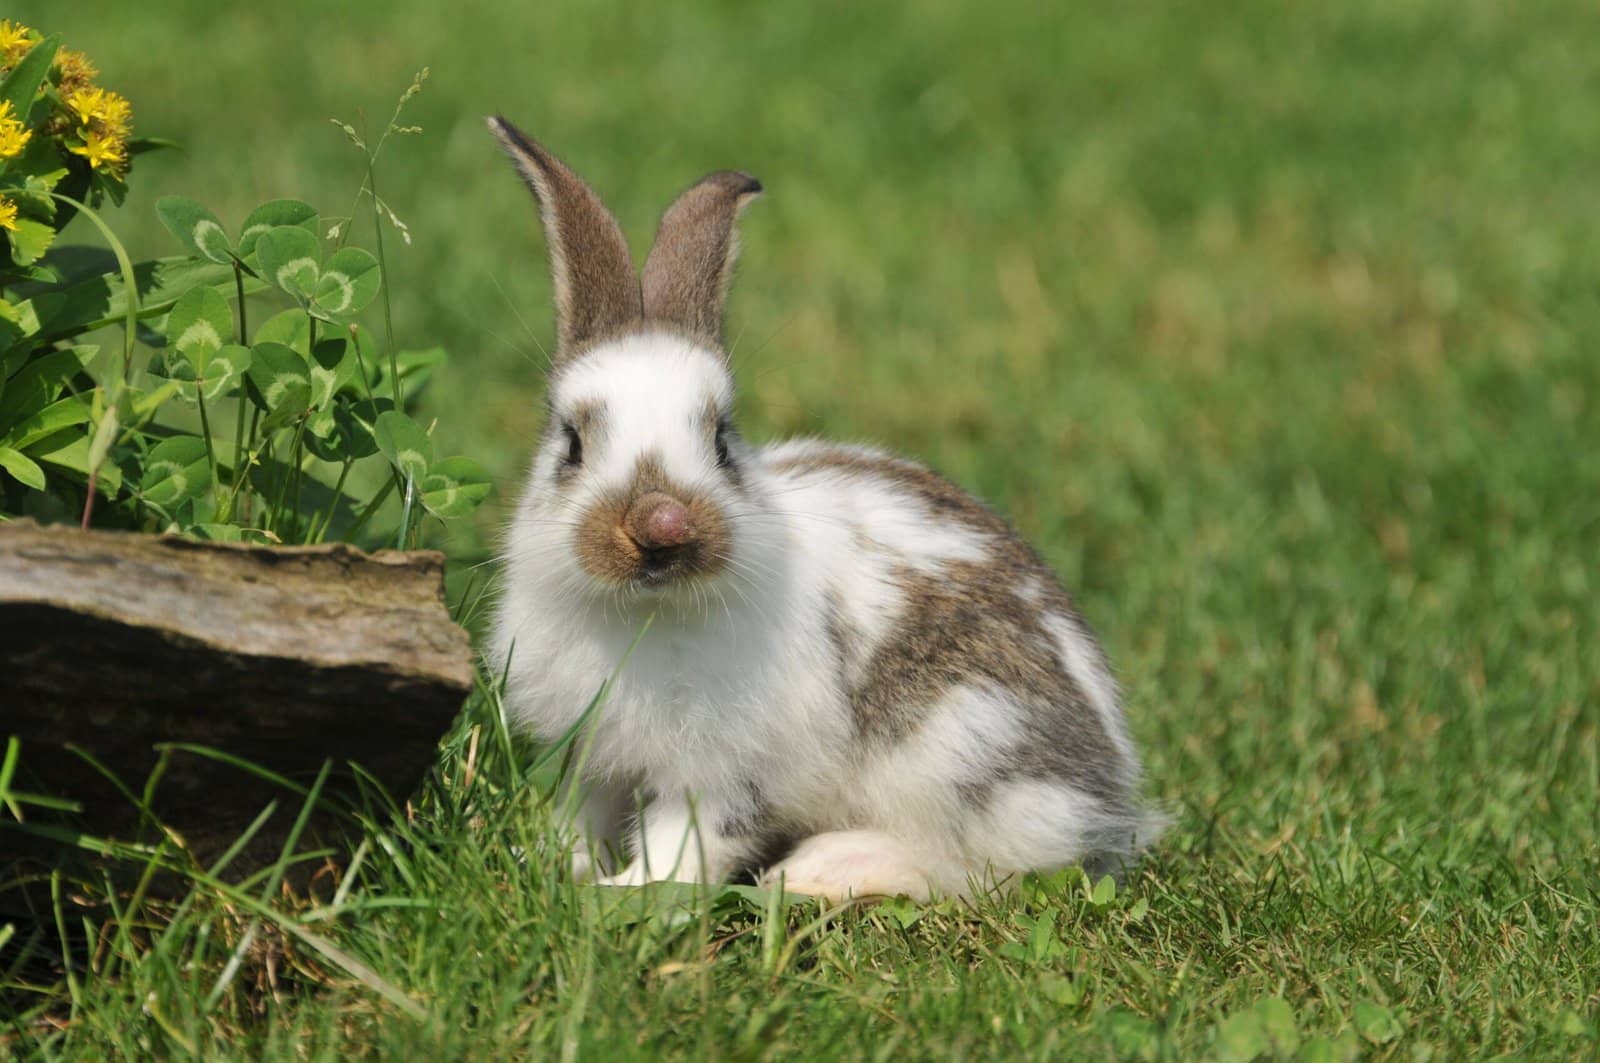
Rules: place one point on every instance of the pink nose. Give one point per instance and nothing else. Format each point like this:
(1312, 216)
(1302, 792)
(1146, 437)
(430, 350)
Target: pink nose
(658, 520)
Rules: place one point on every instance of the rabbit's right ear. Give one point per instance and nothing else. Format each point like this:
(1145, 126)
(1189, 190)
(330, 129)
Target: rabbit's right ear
(597, 293)
(687, 272)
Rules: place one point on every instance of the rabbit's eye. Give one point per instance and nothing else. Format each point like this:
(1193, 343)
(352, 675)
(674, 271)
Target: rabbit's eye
(724, 459)
(574, 455)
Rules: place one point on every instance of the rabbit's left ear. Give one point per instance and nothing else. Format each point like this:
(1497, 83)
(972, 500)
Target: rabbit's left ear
(690, 266)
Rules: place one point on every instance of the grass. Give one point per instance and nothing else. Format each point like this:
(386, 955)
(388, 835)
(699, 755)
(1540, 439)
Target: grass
(1275, 330)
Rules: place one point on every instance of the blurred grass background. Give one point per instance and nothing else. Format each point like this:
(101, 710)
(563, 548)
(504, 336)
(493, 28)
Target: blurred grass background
(1274, 328)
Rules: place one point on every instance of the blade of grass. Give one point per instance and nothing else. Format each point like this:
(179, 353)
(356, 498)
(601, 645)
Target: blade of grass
(357, 969)
(74, 990)
(281, 866)
(238, 762)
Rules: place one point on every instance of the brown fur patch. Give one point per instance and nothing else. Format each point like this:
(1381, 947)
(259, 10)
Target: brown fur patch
(710, 417)
(714, 418)
(589, 418)
(969, 624)
(607, 552)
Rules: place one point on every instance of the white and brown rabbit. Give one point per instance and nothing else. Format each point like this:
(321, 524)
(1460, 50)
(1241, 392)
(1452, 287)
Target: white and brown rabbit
(858, 679)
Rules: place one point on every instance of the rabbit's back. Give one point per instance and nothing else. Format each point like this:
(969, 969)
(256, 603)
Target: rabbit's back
(927, 596)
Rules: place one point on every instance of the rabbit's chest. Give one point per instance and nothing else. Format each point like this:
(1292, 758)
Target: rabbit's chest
(703, 712)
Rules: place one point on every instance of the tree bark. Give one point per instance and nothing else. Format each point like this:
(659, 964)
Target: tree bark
(286, 657)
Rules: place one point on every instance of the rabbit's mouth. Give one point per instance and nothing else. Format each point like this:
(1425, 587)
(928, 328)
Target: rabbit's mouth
(661, 565)
(654, 537)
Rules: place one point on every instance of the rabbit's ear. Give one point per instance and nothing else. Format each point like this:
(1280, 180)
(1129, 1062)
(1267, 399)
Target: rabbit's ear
(597, 292)
(690, 266)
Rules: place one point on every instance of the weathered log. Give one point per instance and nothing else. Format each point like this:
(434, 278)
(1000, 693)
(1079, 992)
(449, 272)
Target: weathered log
(286, 657)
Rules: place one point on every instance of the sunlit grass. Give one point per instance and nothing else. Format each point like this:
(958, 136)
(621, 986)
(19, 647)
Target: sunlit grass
(1275, 330)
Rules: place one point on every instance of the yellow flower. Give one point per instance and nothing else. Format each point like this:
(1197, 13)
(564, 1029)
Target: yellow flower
(102, 108)
(116, 113)
(13, 136)
(101, 149)
(16, 40)
(87, 103)
(75, 68)
(8, 214)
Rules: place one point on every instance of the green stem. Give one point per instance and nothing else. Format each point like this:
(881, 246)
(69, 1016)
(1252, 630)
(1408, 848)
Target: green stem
(361, 360)
(205, 433)
(244, 479)
(238, 286)
(130, 282)
(130, 324)
(299, 478)
(283, 484)
(238, 421)
(238, 456)
(405, 513)
(297, 452)
(348, 227)
(320, 528)
(366, 514)
(366, 386)
(383, 273)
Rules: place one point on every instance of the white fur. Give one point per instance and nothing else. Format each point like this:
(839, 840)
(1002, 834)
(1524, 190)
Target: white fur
(905, 788)
(1032, 823)
(737, 681)
(672, 847)
(852, 864)
(654, 387)
(890, 525)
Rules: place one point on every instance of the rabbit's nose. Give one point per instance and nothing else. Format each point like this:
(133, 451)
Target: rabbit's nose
(657, 521)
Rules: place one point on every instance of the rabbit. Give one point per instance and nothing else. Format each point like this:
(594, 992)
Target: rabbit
(857, 680)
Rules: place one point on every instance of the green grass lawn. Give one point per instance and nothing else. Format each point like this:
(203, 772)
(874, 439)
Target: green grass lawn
(1277, 331)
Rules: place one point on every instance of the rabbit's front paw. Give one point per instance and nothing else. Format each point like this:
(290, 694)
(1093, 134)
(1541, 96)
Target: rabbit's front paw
(633, 875)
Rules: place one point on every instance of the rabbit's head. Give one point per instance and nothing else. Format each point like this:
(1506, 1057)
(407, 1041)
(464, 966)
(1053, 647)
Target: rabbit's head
(640, 480)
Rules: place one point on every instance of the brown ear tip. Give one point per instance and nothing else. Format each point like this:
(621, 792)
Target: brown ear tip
(735, 184)
(512, 137)
(748, 185)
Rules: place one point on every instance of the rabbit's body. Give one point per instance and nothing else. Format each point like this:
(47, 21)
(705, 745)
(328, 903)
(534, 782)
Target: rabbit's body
(856, 676)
